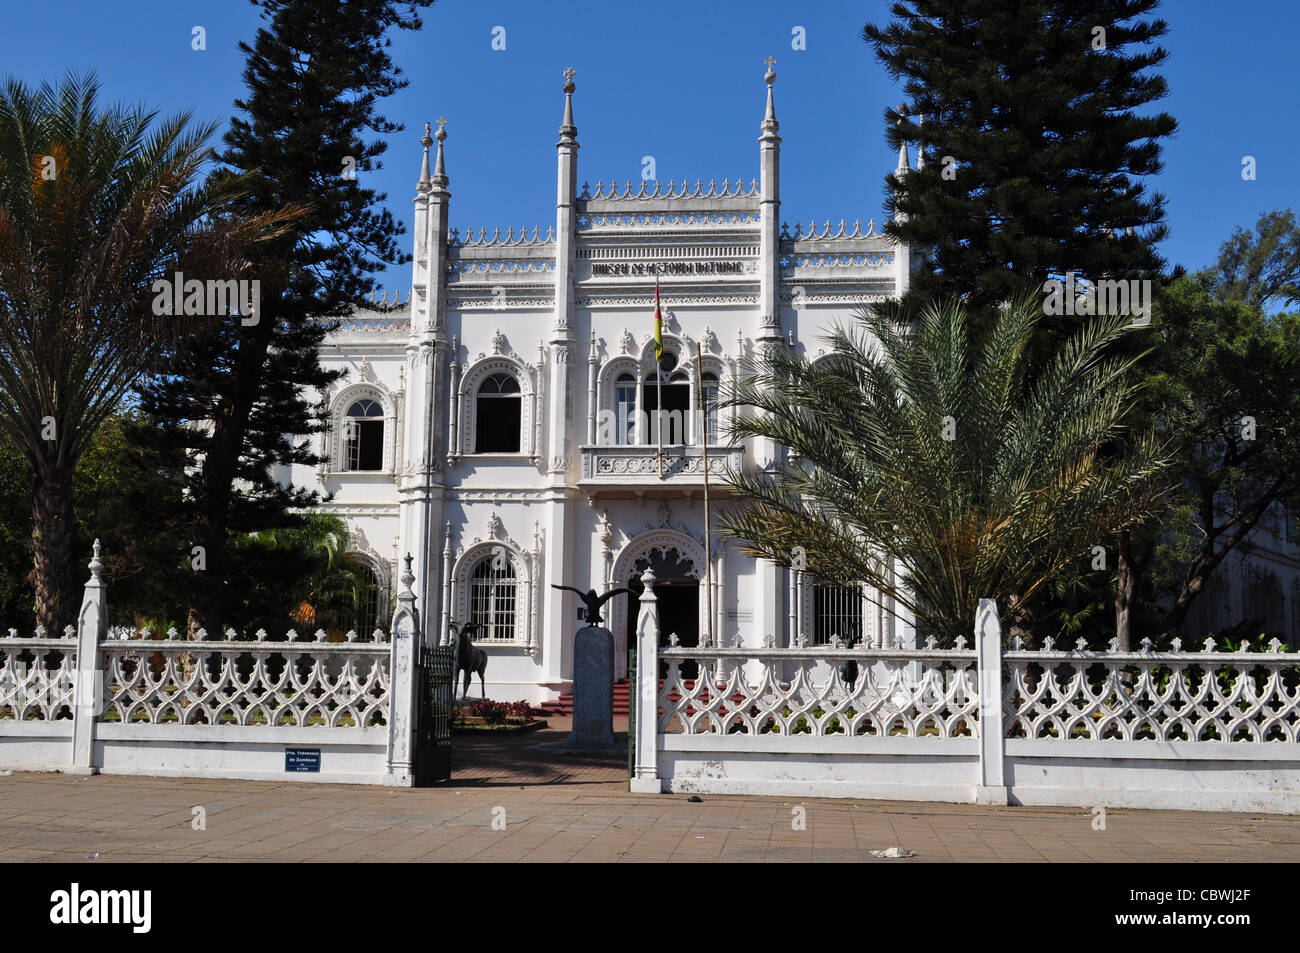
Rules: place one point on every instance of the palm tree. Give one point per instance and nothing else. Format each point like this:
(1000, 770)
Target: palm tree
(329, 587)
(95, 206)
(908, 442)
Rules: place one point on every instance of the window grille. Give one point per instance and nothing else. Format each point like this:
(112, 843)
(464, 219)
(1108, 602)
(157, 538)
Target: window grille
(493, 597)
(625, 410)
(368, 602)
(837, 611)
(710, 383)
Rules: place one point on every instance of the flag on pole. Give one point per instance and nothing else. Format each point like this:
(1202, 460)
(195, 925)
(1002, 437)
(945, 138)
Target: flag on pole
(659, 328)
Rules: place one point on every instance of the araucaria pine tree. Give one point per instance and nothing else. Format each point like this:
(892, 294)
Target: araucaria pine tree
(1032, 141)
(235, 406)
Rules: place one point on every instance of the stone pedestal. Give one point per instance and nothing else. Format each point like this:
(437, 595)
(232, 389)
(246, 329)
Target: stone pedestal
(593, 688)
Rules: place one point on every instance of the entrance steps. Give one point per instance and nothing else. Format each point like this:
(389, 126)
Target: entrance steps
(563, 706)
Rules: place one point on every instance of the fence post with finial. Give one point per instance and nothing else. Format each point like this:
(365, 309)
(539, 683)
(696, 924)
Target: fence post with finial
(992, 786)
(403, 664)
(645, 771)
(88, 695)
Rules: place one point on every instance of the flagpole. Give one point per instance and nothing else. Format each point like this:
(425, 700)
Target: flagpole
(659, 416)
(708, 524)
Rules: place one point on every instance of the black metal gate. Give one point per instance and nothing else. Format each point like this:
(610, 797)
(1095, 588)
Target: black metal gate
(631, 713)
(432, 762)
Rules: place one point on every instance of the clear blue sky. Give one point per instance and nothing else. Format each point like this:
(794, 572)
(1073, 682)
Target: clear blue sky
(683, 82)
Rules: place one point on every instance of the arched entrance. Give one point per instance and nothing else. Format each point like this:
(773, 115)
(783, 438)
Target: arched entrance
(678, 564)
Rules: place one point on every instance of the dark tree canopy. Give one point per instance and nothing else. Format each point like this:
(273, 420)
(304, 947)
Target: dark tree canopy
(1034, 140)
(306, 136)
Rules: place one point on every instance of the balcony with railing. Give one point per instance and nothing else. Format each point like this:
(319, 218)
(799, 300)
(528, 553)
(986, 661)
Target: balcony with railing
(638, 466)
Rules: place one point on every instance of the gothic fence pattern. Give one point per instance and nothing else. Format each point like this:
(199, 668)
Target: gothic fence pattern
(259, 683)
(1203, 729)
(805, 692)
(96, 698)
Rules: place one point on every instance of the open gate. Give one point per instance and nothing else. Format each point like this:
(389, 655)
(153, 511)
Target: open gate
(432, 761)
(632, 694)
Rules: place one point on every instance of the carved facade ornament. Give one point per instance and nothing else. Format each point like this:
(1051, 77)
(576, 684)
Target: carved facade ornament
(493, 526)
(499, 343)
(664, 513)
(366, 372)
(710, 341)
(605, 532)
(628, 342)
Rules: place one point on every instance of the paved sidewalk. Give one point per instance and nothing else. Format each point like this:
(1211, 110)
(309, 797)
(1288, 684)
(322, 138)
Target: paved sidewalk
(574, 808)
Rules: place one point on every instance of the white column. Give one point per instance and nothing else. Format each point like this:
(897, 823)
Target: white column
(424, 445)
(559, 456)
(444, 637)
(592, 409)
(767, 603)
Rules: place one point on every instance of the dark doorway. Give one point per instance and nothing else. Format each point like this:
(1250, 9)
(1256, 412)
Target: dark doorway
(679, 612)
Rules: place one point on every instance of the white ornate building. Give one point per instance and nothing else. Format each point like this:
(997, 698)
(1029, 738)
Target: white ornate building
(495, 424)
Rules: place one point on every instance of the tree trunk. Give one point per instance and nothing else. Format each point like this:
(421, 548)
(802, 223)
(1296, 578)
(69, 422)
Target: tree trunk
(1125, 593)
(52, 575)
(220, 467)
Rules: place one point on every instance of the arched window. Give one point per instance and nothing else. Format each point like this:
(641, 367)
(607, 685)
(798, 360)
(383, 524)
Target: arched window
(493, 595)
(1209, 613)
(625, 410)
(368, 601)
(498, 414)
(667, 424)
(363, 436)
(837, 611)
(1263, 602)
(1295, 613)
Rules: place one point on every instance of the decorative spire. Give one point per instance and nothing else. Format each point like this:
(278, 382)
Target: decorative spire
(568, 131)
(439, 168)
(903, 165)
(426, 141)
(96, 564)
(770, 125)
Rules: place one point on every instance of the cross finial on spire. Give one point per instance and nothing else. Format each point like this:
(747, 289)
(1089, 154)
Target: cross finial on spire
(439, 177)
(568, 131)
(426, 140)
(770, 124)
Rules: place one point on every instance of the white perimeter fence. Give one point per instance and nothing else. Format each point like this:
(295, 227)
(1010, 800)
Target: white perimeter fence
(1199, 730)
(304, 708)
